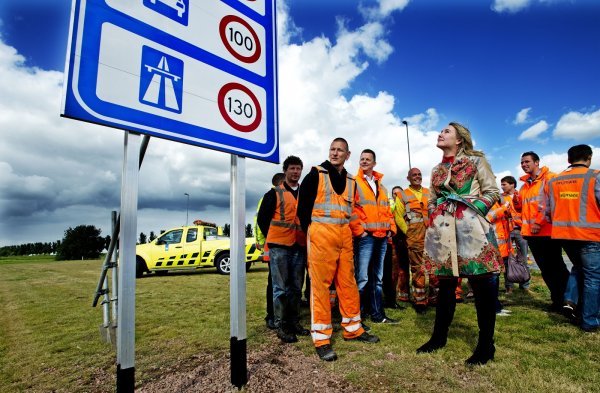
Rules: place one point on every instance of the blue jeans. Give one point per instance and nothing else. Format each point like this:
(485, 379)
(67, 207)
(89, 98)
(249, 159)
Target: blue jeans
(369, 255)
(585, 275)
(287, 267)
(521, 243)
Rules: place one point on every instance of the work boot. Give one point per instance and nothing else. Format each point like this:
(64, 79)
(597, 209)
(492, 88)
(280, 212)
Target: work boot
(300, 330)
(286, 337)
(365, 327)
(365, 337)
(326, 353)
(444, 313)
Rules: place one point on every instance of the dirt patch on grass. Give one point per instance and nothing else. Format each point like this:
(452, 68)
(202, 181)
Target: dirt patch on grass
(274, 368)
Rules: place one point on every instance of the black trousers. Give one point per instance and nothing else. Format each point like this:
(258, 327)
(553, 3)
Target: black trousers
(485, 291)
(547, 253)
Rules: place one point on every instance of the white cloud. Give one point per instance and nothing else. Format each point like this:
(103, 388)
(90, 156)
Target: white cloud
(510, 6)
(383, 9)
(534, 131)
(522, 116)
(578, 126)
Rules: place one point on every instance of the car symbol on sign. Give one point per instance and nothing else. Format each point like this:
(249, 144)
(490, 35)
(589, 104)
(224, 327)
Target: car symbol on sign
(177, 5)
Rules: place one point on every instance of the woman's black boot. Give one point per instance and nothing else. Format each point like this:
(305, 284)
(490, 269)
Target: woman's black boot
(485, 290)
(444, 312)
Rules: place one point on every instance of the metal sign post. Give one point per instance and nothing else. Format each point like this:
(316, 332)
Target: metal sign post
(127, 242)
(237, 286)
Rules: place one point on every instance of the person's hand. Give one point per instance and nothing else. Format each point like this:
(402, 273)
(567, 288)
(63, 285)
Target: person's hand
(535, 228)
(258, 246)
(364, 234)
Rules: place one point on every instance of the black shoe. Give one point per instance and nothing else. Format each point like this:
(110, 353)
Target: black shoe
(326, 353)
(387, 321)
(432, 345)
(568, 310)
(365, 337)
(481, 355)
(365, 327)
(420, 308)
(270, 323)
(286, 337)
(300, 331)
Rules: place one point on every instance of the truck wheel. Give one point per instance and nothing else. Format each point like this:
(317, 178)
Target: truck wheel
(223, 263)
(140, 267)
(248, 265)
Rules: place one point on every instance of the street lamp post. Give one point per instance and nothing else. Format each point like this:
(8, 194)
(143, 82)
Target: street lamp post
(407, 144)
(187, 208)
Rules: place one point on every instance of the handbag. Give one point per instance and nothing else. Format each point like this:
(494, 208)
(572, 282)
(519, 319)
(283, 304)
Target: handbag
(517, 271)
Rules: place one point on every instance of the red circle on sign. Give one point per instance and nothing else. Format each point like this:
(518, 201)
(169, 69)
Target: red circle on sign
(221, 103)
(222, 32)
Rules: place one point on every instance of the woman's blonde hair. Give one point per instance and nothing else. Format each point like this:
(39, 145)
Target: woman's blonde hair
(464, 135)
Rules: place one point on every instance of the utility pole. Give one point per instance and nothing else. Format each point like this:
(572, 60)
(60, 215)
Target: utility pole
(407, 144)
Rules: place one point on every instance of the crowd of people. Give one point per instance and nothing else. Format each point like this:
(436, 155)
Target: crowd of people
(359, 249)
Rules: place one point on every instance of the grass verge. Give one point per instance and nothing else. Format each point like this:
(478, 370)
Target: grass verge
(49, 338)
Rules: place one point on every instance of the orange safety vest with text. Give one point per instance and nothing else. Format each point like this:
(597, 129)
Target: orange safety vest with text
(285, 227)
(533, 201)
(374, 211)
(575, 211)
(415, 210)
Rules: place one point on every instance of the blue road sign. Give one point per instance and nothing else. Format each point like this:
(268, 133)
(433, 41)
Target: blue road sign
(203, 75)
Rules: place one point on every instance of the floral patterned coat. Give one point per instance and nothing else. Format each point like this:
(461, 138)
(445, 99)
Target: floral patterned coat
(459, 241)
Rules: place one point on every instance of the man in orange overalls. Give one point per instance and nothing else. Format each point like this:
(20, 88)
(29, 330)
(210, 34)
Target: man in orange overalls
(325, 205)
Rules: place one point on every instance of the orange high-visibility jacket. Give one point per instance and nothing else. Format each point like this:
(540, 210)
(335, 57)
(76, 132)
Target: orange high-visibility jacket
(575, 212)
(514, 213)
(285, 226)
(327, 210)
(533, 203)
(415, 210)
(497, 216)
(373, 211)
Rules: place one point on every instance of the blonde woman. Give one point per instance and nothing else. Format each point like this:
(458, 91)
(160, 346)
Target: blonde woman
(459, 241)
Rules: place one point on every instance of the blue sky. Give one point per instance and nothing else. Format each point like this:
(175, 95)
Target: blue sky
(521, 74)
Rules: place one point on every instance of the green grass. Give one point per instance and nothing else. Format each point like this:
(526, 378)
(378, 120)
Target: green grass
(49, 337)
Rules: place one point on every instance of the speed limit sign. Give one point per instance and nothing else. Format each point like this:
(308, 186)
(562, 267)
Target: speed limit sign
(201, 72)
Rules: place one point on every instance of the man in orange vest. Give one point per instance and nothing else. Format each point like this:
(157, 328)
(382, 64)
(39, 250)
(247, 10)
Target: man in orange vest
(376, 227)
(260, 239)
(509, 193)
(575, 212)
(536, 228)
(277, 219)
(325, 207)
(411, 213)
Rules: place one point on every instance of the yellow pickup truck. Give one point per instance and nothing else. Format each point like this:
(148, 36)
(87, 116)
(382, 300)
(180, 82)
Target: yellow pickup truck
(190, 248)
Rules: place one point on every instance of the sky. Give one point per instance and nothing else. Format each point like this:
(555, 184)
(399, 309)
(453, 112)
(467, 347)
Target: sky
(520, 74)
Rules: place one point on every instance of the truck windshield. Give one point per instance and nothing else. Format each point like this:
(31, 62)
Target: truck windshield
(171, 237)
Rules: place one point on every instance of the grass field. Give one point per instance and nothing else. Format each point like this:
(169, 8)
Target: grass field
(49, 338)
